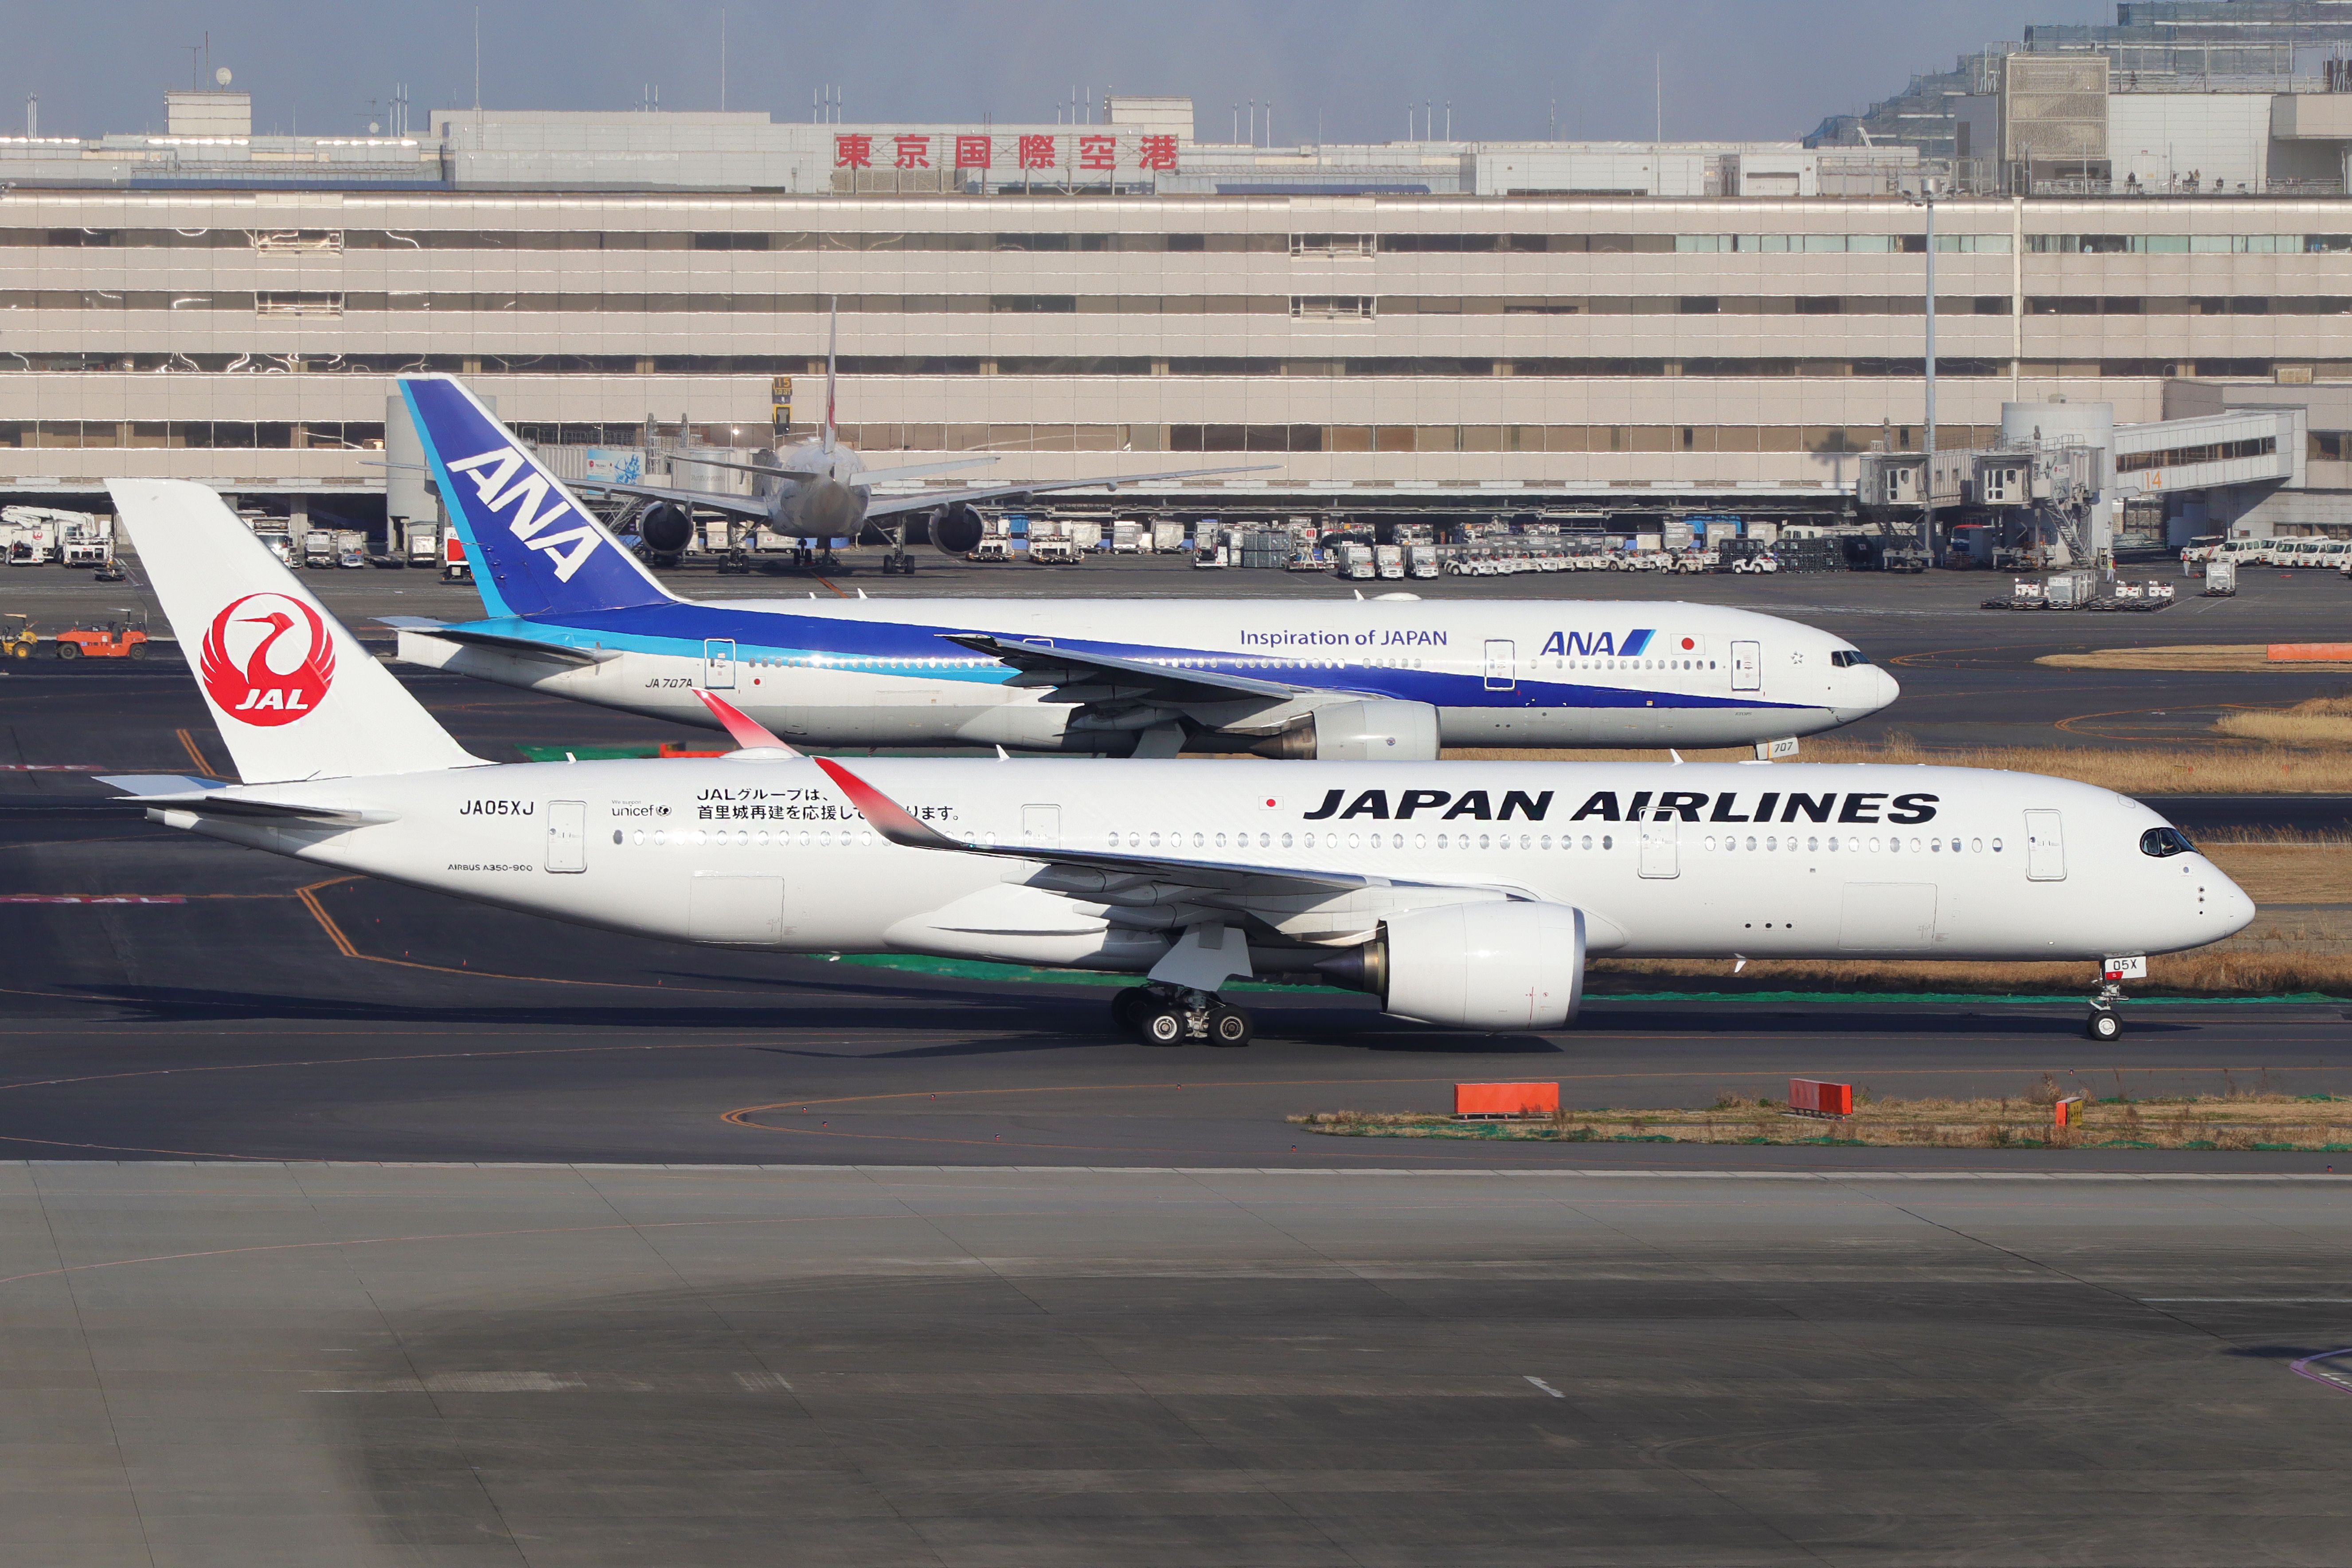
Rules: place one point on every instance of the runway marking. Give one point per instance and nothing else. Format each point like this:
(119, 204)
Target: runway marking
(2253, 1301)
(837, 593)
(197, 755)
(107, 898)
(52, 767)
(1547, 1387)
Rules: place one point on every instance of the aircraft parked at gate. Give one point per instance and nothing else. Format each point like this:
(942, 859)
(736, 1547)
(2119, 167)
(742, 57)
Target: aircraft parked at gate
(819, 490)
(573, 613)
(1465, 894)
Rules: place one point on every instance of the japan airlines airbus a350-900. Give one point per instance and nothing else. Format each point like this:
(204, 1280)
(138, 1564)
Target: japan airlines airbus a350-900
(1465, 894)
(573, 613)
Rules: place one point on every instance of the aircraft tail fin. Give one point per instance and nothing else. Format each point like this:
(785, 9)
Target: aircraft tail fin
(537, 550)
(832, 354)
(293, 693)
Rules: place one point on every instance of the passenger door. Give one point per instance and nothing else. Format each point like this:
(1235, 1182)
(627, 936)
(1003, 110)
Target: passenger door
(1502, 665)
(1041, 828)
(1660, 847)
(2045, 847)
(718, 664)
(1748, 666)
(567, 836)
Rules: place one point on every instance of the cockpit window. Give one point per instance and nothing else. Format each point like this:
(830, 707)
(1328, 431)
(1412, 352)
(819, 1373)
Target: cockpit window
(2163, 842)
(1847, 658)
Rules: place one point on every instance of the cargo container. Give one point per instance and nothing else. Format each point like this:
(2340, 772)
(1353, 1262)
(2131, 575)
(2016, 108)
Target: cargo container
(1167, 537)
(1128, 539)
(1817, 1097)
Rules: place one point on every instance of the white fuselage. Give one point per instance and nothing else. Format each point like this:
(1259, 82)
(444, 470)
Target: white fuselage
(1915, 862)
(843, 672)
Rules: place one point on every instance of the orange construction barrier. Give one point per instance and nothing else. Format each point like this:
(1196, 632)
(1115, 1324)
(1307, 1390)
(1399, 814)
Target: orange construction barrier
(2310, 653)
(1487, 1099)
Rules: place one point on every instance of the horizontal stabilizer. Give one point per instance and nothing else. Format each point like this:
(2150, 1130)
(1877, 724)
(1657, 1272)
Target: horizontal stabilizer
(159, 783)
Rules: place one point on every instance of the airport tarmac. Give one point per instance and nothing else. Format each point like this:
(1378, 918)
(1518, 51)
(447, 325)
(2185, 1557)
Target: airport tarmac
(268, 1364)
(358, 1225)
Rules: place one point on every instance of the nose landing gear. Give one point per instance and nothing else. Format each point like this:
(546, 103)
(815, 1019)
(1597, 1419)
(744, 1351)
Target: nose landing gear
(2104, 1022)
(1161, 1015)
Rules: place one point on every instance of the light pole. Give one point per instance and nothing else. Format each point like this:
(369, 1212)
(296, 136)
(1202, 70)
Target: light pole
(1926, 198)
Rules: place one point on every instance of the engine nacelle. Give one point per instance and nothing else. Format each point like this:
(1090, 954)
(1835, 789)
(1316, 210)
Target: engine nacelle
(1476, 966)
(667, 528)
(957, 529)
(1377, 729)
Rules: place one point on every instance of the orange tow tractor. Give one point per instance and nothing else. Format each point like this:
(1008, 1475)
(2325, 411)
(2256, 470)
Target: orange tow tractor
(125, 638)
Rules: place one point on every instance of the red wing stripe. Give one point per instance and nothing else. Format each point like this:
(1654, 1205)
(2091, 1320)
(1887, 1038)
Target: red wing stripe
(747, 732)
(888, 817)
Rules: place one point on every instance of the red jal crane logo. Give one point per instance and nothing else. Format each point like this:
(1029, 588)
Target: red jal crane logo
(254, 673)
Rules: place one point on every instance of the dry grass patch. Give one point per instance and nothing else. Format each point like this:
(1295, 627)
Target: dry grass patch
(2222, 1122)
(2215, 770)
(2324, 721)
(2199, 656)
(2184, 975)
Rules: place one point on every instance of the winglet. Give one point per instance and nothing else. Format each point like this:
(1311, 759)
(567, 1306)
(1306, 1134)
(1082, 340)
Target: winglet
(747, 732)
(889, 818)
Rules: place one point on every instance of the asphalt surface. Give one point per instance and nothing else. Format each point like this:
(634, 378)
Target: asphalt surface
(722, 1257)
(266, 1365)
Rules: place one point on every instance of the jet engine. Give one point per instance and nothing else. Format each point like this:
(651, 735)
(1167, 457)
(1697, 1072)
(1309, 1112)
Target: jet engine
(1475, 966)
(956, 528)
(667, 528)
(1378, 730)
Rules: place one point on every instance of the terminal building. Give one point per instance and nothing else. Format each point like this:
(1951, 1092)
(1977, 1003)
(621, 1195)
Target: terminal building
(1426, 329)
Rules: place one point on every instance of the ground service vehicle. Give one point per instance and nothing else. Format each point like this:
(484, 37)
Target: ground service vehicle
(17, 639)
(1467, 895)
(122, 638)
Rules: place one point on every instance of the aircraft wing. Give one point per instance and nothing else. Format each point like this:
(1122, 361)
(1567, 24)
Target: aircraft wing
(1217, 882)
(890, 505)
(1077, 676)
(741, 506)
(865, 477)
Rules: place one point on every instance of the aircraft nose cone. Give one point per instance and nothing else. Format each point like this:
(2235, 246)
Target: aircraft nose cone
(1886, 689)
(2229, 904)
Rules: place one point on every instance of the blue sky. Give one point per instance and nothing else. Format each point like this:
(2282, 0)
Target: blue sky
(1736, 68)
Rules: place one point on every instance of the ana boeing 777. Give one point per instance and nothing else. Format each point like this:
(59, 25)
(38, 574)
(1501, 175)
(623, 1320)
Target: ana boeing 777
(1463, 894)
(572, 613)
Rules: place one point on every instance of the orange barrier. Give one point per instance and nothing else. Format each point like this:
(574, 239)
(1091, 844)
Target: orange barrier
(1477, 1100)
(2310, 653)
(1821, 1099)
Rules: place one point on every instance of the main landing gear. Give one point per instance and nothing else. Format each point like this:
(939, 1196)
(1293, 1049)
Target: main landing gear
(1169, 1015)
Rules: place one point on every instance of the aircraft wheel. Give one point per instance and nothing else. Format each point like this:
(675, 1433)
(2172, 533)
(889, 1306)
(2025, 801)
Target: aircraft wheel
(1161, 1026)
(1127, 1007)
(1230, 1026)
(2104, 1024)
